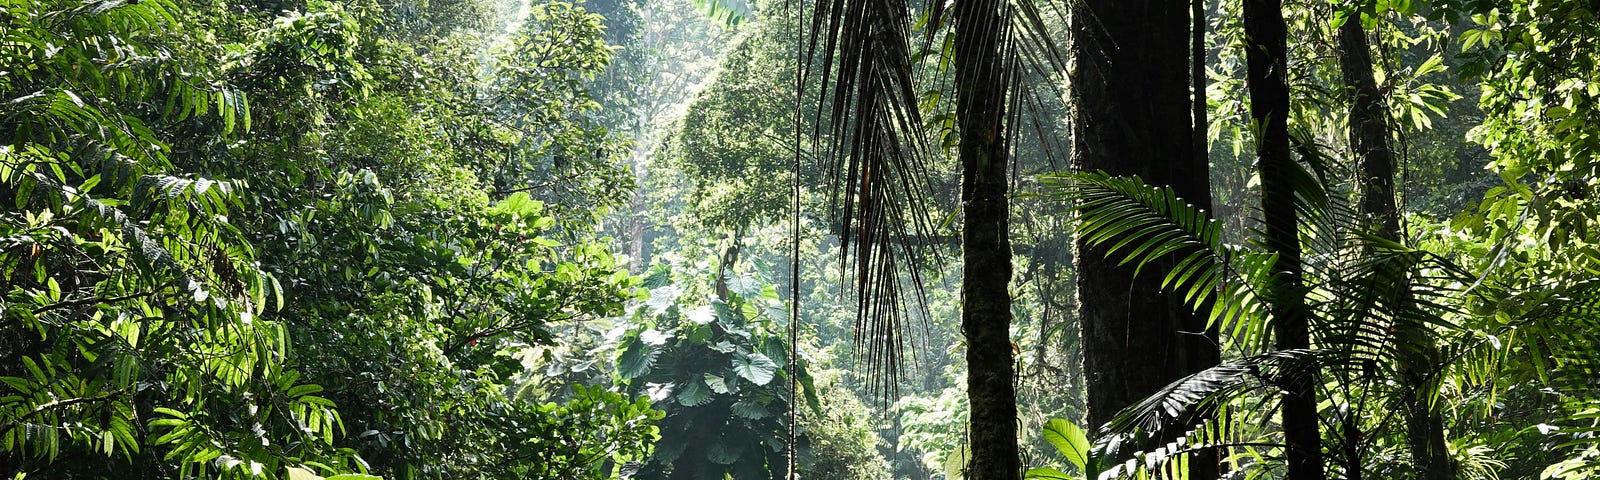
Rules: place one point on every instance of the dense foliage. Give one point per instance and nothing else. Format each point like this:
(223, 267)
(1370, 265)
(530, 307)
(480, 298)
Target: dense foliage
(552, 239)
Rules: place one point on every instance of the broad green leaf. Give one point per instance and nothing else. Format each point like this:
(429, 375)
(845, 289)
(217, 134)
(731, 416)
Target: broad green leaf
(1045, 473)
(723, 454)
(745, 286)
(716, 383)
(1070, 440)
(702, 315)
(694, 394)
(755, 367)
(663, 298)
(751, 409)
(297, 473)
(636, 360)
(955, 465)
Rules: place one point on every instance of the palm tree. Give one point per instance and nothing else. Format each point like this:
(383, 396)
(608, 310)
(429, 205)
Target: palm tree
(880, 158)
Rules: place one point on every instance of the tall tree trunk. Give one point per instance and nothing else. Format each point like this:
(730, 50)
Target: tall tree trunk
(1369, 131)
(985, 240)
(1267, 56)
(1369, 140)
(1206, 464)
(1133, 116)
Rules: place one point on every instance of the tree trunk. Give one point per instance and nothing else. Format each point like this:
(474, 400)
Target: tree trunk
(985, 240)
(1267, 56)
(1133, 115)
(1369, 131)
(1369, 141)
(1207, 463)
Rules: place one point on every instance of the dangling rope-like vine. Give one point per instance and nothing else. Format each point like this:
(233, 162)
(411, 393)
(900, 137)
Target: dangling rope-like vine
(801, 57)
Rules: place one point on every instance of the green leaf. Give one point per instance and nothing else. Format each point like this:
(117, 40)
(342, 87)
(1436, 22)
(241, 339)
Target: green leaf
(663, 298)
(744, 286)
(636, 360)
(694, 394)
(716, 383)
(751, 409)
(1045, 473)
(304, 389)
(955, 465)
(727, 12)
(702, 315)
(297, 473)
(722, 454)
(755, 367)
(1070, 440)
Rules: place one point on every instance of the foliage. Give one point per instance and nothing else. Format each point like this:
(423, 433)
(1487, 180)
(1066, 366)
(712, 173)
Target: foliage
(539, 94)
(732, 142)
(350, 238)
(1355, 324)
(840, 443)
(714, 364)
(595, 426)
(193, 285)
(139, 325)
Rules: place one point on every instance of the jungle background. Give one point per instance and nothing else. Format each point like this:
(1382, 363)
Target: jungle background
(553, 239)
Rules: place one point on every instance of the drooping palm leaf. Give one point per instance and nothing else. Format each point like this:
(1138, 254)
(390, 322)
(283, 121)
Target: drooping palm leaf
(881, 96)
(877, 162)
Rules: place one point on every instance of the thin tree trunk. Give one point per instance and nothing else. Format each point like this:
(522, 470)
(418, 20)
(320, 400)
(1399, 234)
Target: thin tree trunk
(1207, 463)
(1134, 115)
(1369, 140)
(1267, 57)
(1369, 131)
(985, 241)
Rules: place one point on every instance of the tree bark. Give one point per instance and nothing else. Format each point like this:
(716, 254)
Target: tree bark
(1134, 115)
(1369, 131)
(1369, 141)
(985, 240)
(1267, 58)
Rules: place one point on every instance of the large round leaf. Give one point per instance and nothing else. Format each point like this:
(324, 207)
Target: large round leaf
(637, 359)
(755, 367)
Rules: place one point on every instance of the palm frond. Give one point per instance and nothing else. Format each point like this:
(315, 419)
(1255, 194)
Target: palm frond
(1143, 224)
(878, 94)
(1204, 405)
(877, 161)
(1387, 301)
(1557, 335)
(1215, 386)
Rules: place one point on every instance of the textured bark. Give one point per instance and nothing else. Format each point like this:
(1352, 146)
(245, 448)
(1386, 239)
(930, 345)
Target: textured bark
(1369, 131)
(985, 241)
(1132, 116)
(1369, 141)
(1267, 59)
